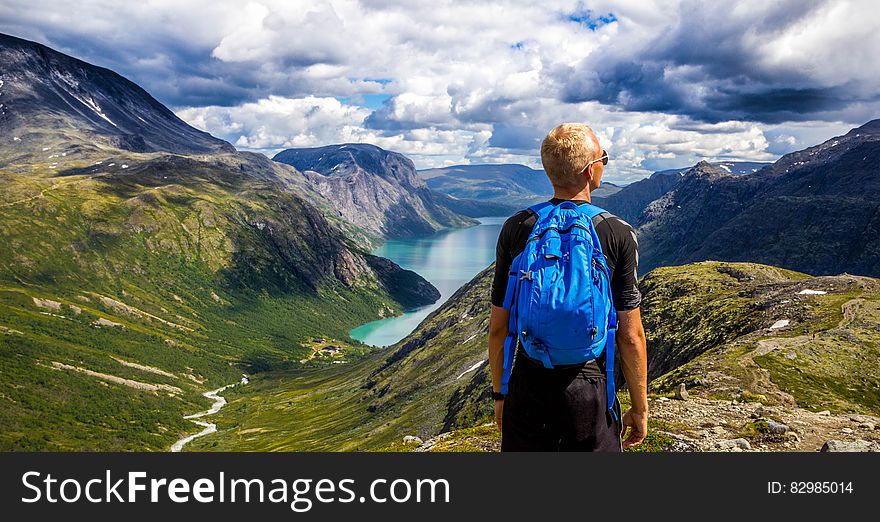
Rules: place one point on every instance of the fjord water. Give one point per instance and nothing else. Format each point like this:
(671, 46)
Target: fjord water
(447, 259)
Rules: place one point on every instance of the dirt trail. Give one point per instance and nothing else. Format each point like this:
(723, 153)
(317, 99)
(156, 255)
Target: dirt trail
(757, 378)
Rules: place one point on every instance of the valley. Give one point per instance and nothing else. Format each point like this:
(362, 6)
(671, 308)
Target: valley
(147, 265)
(434, 383)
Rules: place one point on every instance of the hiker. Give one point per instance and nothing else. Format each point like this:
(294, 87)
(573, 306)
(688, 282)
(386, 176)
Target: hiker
(553, 317)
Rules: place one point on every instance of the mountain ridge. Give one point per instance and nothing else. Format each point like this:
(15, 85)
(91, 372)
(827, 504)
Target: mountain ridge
(376, 189)
(823, 194)
(53, 98)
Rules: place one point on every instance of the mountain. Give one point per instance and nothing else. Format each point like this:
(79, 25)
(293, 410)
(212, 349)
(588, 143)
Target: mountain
(631, 201)
(813, 211)
(145, 262)
(51, 100)
(377, 190)
(712, 326)
(511, 186)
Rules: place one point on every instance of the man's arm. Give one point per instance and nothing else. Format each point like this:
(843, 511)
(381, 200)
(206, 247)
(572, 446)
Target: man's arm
(498, 320)
(632, 346)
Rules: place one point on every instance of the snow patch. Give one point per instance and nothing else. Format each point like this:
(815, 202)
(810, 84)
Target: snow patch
(92, 104)
(782, 323)
(472, 368)
(124, 166)
(807, 291)
(725, 167)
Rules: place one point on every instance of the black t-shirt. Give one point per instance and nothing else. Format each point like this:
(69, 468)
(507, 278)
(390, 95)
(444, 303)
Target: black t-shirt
(621, 250)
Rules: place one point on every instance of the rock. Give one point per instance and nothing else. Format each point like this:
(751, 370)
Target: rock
(410, 438)
(732, 444)
(776, 427)
(835, 446)
(759, 412)
(662, 399)
(824, 413)
(848, 431)
(679, 443)
(681, 392)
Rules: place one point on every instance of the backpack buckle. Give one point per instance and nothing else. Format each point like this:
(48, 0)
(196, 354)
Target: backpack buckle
(523, 274)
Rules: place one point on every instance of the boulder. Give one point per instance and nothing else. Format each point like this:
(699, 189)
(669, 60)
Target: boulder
(410, 438)
(681, 392)
(739, 444)
(776, 427)
(837, 446)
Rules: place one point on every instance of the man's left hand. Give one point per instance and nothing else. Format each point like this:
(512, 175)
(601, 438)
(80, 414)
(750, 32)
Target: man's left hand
(637, 422)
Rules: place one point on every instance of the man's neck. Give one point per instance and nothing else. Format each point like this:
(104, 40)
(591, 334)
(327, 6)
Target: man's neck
(565, 193)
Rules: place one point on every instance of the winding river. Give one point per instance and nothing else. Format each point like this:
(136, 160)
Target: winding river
(447, 259)
(209, 427)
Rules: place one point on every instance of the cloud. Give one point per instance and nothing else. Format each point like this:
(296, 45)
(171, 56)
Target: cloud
(663, 83)
(760, 61)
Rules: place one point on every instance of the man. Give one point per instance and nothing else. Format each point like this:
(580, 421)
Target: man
(565, 408)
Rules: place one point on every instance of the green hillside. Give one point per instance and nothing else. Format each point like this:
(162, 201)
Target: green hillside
(199, 267)
(704, 322)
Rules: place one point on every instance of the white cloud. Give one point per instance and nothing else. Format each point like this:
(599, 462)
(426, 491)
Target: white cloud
(480, 81)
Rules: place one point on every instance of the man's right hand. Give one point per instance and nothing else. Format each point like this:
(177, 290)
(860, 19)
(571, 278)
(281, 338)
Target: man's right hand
(499, 412)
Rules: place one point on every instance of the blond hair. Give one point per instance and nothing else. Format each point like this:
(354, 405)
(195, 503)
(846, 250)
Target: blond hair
(566, 151)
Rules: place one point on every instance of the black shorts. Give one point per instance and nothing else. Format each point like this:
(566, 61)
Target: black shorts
(559, 409)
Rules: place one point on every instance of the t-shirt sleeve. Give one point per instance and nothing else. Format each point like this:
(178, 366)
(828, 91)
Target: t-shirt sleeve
(502, 266)
(625, 279)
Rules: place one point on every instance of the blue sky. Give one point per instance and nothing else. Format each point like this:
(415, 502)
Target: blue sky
(664, 84)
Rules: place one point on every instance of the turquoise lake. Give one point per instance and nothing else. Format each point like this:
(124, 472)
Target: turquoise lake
(447, 259)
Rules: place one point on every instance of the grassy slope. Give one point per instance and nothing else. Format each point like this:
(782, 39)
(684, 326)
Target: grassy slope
(403, 389)
(180, 245)
(824, 359)
(702, 320)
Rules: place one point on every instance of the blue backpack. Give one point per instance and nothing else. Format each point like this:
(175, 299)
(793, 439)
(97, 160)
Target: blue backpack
(559, 293)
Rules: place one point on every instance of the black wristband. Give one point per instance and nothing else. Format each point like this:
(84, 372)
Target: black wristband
(498, 396)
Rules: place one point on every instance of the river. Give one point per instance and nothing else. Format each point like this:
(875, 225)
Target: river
(209, 427)
(447, 259)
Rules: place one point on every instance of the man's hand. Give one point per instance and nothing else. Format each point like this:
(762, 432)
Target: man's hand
(499, 412)
(637, 422)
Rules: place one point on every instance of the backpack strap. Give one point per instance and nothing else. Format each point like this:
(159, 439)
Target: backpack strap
(610, 388)
(592, 212)
(510, 306)
(540, 210)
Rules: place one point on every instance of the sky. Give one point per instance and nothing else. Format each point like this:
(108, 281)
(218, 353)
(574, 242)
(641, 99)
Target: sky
(663, 84)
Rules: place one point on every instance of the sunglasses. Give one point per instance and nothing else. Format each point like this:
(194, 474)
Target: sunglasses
(603, 159)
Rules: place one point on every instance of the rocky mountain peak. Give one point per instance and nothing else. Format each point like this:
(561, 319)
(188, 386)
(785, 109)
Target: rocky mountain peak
(705, 169)
(51, 98)
(353, 159)
(376, 189)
